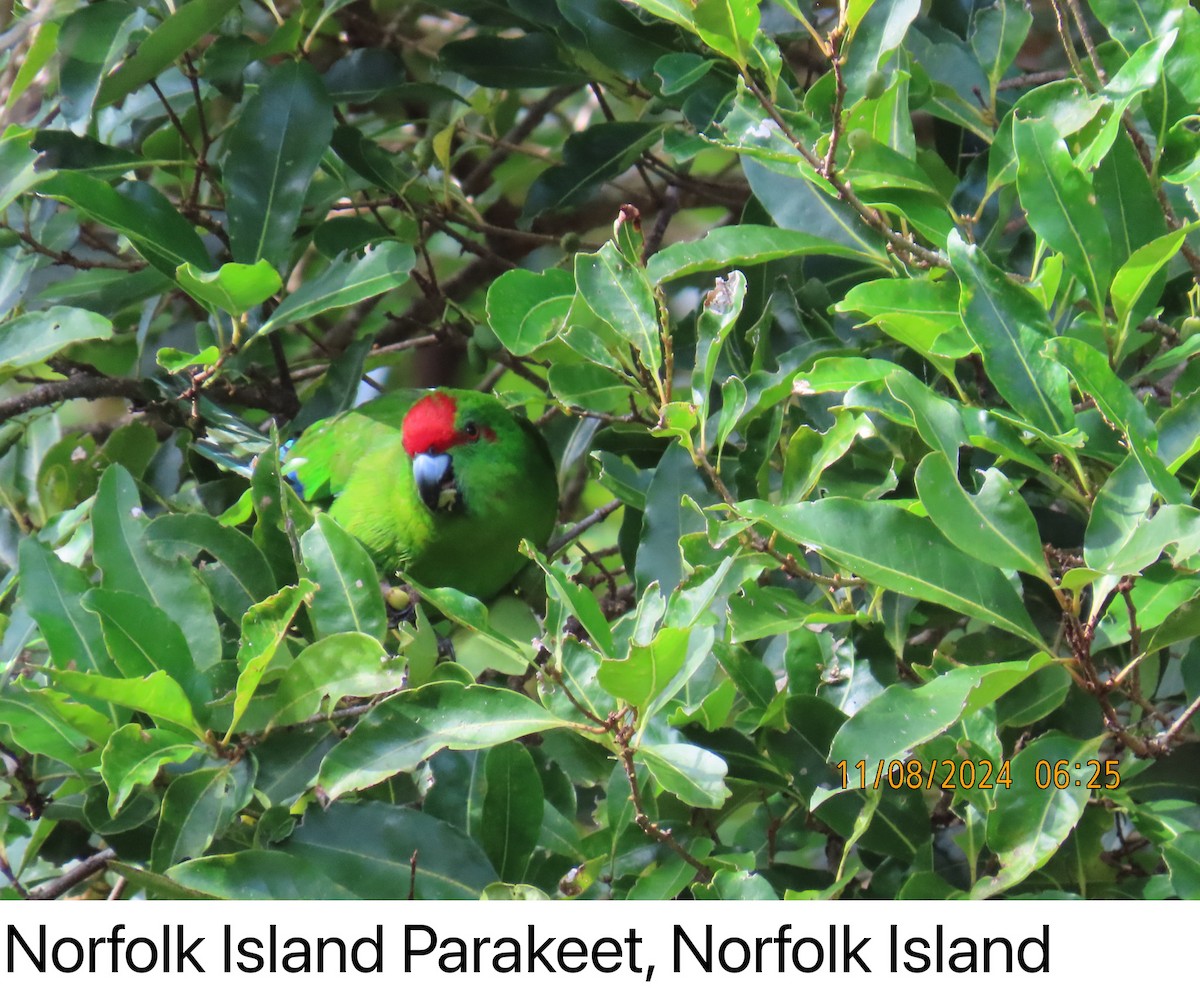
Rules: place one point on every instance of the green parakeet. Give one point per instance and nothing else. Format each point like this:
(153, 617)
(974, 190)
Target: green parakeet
(442, 485)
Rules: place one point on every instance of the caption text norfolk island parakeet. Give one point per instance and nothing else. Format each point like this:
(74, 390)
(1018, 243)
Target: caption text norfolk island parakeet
(442, 485)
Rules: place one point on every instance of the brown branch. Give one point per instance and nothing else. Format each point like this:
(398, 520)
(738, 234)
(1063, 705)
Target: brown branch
(899, 243)
(65, 258)
(476, 181)
(86, 868)
(1032, 79)
(641, 818)
(582, 526)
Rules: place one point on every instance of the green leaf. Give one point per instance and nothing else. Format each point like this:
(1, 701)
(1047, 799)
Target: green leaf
(141, 639)
(196, 807)
(330, 669)
(1009, 327)
(648, 670)
(897, 550)
(1028, 824)
(184, 28)
(39, 52)
(17, 159)
(90, 42)
(50, 591)
(889, 726)
(369, 850)
(526, 309)
(530, 60)
(1126, 533)
(694, 775)
(1061, 205)
(995, 525)
(727, 26)
(173, 360)
(128, 563)
(918, 313)
(1141, 277)
(138, 211)
(742, 245)
(264, 627)
(274, 149)
(134, 756)
(235, 288)
(346, 281)
(38, 335)
(1120, 408)
(602, 152)
(348, 597)
(722, 307)
(239, 576)
(591, 387)
(45, 722)
(257, 875)
(997, 34)
(512, 810)
(158, 695)
(620, 295)
(507, 655)
(799, 203)
(402, 731)
(1183, 862)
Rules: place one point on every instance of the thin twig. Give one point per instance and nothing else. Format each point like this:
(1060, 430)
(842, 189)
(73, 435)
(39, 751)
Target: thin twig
(625, 753)
(81, 872)
(582, 526)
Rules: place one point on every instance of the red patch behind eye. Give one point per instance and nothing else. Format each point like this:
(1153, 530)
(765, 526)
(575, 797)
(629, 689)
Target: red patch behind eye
(429, 424)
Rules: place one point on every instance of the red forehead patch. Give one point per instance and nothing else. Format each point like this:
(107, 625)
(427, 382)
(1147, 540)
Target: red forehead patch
(429, 424)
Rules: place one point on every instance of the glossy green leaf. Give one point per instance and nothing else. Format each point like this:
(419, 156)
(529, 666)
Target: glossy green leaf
(138, 211)
(525, 309)
(274, 149)
(167, 42)
(128, 563)
(348, 597)
(331, 669)
(694, 775)
(995, 525)
(1120, 407)
(37, 335)
(50, 591)
(234, 289)
(346, 281)
(889, 726)
(590, 157)
(264, 627)
(196, 807)
(1009, 327)
(1028, 824)
(512, 810)
(899, 551)
(134, 756)
(238, 577)
(258, 875)
(402, 731)
(158, 695)
(620, 295)
(1061, 205)
(369, 849)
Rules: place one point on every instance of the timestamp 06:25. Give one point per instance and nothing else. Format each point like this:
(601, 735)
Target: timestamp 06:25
(964, 773)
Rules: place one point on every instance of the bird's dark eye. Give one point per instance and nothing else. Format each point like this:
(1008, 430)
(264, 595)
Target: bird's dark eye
(471, 430)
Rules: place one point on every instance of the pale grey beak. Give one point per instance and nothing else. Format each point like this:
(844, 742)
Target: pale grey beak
(432, 471)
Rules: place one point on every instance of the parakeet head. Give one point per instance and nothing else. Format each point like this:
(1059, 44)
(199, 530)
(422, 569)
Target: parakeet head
(445, 433)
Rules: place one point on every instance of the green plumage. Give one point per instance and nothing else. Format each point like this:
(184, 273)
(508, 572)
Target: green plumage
(501, 485)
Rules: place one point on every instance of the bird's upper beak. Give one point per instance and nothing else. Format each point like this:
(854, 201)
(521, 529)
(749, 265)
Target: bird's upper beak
(433, 474)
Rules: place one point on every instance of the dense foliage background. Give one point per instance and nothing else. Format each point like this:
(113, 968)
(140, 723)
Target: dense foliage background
(862, 334)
